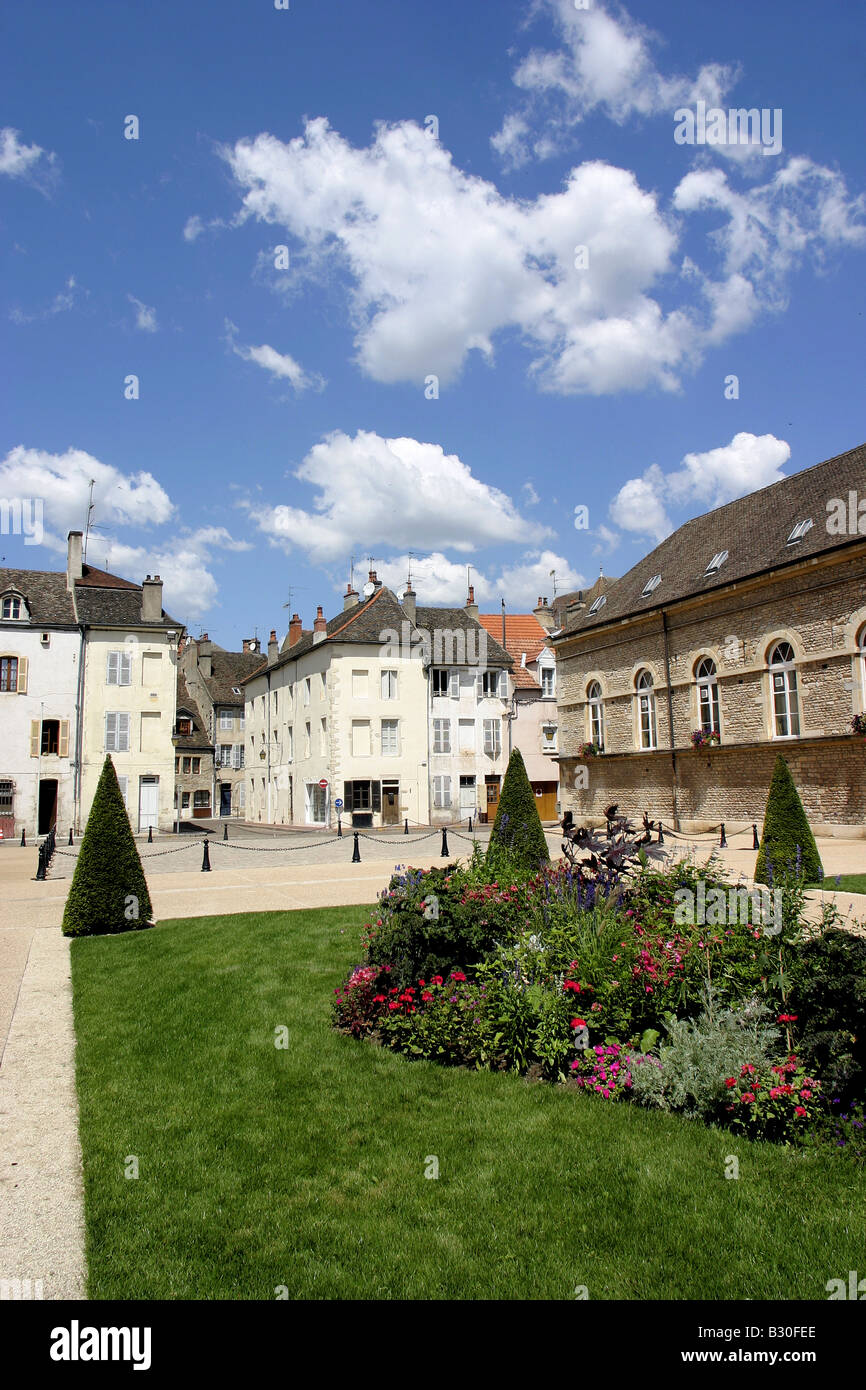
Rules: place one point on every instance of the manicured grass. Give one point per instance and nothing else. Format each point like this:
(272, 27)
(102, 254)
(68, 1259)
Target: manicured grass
(846, 883)
(304, 1167)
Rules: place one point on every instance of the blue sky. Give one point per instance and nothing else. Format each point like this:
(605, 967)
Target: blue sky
(286, 418)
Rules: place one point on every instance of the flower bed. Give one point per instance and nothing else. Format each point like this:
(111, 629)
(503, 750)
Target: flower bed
(586, 976)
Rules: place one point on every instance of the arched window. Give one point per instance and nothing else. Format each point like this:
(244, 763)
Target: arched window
(12, 608)
(8, 674)
(596, 715)
(708, 696)
(783, 686)
(646, 701)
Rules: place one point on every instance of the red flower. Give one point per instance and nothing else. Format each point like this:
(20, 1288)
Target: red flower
(457, 975)
(730, 1081)
(798, 1110)
(747, 1097)
(437, 980)
(426, 995)
(787, 1018)
(578, 1023)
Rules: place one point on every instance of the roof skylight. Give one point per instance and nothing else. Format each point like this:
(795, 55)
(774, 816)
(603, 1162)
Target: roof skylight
(599, 603)
(799, 531)
(650, 585)
(716, 563)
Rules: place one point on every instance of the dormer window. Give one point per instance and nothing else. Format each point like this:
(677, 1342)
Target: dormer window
(799, 531)
(14, 609)
(716, 563)
(650, 585)
(184, 724)
(599, 604)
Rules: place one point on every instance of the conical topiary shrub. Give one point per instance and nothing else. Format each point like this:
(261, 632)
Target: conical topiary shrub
(787, 835)
(109, 890)
(517, 827)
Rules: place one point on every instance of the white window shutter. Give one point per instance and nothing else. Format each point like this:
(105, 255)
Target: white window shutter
(22, 675)
(454, 684)
(503, 685)
(110, 732)
(125, 665)
(111, 668)
(35, 733)
(123, 733)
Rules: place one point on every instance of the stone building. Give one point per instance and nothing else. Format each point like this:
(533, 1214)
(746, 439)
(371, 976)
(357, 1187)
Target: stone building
(532, 719)
(214, 678)
(742, 635)
(193, 761)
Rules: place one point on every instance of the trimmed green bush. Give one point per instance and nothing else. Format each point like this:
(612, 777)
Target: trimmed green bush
(109, 890)
(787, 833)
(517, 828)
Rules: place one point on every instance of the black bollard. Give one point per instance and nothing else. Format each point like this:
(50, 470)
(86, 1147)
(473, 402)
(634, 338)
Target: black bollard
(444, 843)
(661, 838)
(339, 829)
(756, 844)
(406, 826)
(40, 871)
(150, 834)
(226, 831)
(470, 825)
(70, 837)
(24, 839)
(205, 862)
(356, 852)
(723, 843)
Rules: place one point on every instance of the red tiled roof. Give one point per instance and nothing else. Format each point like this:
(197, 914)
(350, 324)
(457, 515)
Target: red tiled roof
(101, 579)
(523, 634)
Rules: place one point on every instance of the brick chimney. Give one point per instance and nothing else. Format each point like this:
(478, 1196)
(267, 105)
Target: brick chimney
(471, 605)
(320, 627)
(350, 597)
(374, 580)
(545, 615)
(408, 604)
(273, 648)
(73, 559)
(151, 600)
(251, 644)
(296, 630)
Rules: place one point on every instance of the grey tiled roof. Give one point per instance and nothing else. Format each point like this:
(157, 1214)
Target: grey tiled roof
(753, 529)
(198, 740)
(381, 612)
(49, 603)
(109, 607)
(228, 670)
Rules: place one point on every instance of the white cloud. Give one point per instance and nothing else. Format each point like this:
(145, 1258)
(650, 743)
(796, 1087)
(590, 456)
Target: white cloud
(145, 317)
(193, 228)
(439, 581)
(17, 159)
(532, 497)
(704, 481)
(62, 483)
(442, 262)
(607, 63)
(608, 540)
(66, 299)
(374, 492)
(279, 364)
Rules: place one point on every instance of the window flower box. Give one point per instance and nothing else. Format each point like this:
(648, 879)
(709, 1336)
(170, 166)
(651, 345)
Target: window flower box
(588, 750)
(706, 738)
(858, 725)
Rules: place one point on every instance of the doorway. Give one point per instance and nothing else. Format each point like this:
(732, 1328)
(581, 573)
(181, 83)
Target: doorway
(148, 802)
(390, 803)
(492, 788)
(47, 805)
(225, 798)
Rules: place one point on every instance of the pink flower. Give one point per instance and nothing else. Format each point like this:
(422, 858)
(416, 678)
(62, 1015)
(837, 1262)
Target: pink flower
(799, 1110)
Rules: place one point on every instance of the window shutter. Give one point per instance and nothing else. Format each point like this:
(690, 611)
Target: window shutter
(63, 747)
(454, 684)
(503, 685)
(376, 793)
(110, 732)
(125, 665)
(347, 796)
(34, 738)
(22, 675)
(479, 685)
(123, 733)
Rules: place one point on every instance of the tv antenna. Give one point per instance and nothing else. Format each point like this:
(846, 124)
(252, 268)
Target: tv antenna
(293, 589)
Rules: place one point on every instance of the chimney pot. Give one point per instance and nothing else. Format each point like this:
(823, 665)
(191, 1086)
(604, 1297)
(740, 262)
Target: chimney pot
(151, 600)
(295, 630)
(73, 559)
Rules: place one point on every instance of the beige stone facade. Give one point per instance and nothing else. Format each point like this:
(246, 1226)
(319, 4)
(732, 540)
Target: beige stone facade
(818, 607)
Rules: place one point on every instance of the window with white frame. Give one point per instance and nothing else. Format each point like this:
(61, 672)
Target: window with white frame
(548, 738)
(596, 714)
(116, 732)
(242, 795)
(441, 735)
(389, 685)
(12, 609)
(226, 721)
(708, 696)
(441, 793)
(119, 668)
(646, 711)
(390, 742)
(494, 683)
(440, 678)
(242, 723)
(548, 682)
(124, 790)
(237, 756)
(783, 687)
(493, 737)
(225, 755)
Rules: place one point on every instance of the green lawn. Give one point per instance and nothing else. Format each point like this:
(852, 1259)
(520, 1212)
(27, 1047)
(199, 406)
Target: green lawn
(304, 1167)
(848, 883)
